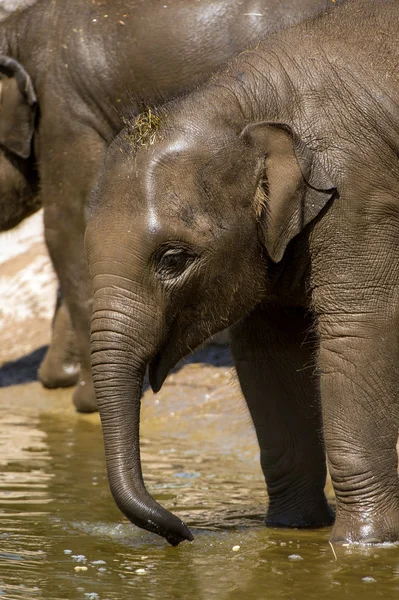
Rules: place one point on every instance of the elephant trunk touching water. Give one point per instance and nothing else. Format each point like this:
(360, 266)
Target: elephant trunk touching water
(126, 331)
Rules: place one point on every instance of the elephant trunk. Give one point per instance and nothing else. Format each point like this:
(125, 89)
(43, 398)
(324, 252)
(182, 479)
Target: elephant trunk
(124, 338)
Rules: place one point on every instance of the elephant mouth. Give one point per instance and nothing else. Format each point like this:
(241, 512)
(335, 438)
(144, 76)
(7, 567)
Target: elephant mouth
(158, 370)
(172, 351)
(165, 360)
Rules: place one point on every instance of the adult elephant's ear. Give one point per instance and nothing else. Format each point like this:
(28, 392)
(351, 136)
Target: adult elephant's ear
(17, 107)
(294, 186)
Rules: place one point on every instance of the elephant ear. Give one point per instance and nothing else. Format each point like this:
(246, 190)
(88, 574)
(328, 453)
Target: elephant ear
(295, 186)
(17, 108)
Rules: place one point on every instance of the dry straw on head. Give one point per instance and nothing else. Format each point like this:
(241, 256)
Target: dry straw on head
(143, 131)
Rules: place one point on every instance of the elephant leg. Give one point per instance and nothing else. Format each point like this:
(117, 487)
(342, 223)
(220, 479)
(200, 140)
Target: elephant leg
(359, 384)
(273, 352)
(61, 364)
(64, 237)
(67, 177)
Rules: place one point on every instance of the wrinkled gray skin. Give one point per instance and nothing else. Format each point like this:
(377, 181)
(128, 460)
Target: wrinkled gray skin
(269, 203)
(81, 66)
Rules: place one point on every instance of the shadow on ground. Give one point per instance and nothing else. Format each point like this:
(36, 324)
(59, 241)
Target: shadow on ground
(22, 370)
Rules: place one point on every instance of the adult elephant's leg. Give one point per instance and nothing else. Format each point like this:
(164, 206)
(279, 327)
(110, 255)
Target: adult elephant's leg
(359, 383)
(61, 364)
(273, 351)
(67, 176)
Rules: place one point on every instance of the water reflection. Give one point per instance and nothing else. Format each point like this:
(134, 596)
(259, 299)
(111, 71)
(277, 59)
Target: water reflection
(24, 499)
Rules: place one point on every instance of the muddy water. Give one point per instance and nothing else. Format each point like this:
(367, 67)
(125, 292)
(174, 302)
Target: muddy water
(201, 461)
(61, 536)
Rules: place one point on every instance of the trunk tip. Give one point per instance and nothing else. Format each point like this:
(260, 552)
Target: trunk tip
(169, 527)
(174, 539)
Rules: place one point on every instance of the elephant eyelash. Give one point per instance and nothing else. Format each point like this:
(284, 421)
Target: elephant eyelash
(171, 263)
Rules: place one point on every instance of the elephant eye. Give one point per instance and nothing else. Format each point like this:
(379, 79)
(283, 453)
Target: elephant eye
(172, 262)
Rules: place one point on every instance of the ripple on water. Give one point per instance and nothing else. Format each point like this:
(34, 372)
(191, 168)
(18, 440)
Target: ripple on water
(24, 498)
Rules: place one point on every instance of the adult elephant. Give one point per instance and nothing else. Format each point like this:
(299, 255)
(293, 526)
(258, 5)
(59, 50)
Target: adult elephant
(70, 72)
(268, 201)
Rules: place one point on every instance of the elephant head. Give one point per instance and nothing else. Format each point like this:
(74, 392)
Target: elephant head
(179, 239)
(18, 177)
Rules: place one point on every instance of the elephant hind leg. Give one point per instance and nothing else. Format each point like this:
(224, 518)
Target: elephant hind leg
(61, 365)
(274, 356)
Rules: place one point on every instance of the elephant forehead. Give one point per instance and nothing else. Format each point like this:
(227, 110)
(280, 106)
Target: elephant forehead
(178, 213)
(191, 185)
(191, 203)
(192, 161)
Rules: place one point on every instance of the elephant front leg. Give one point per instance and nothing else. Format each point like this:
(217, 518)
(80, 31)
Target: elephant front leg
(359, 382)
(274, 355)
(61, 365)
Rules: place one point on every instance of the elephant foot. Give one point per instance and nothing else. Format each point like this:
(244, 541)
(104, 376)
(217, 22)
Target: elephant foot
(84, 397)
(307, 515)
(54, 373)
(61, 365)
(370, 527)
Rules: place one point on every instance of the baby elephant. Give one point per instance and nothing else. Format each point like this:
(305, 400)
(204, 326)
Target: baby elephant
(267, 200)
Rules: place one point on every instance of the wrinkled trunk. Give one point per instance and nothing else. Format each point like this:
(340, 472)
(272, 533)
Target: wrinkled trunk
(125, 333)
